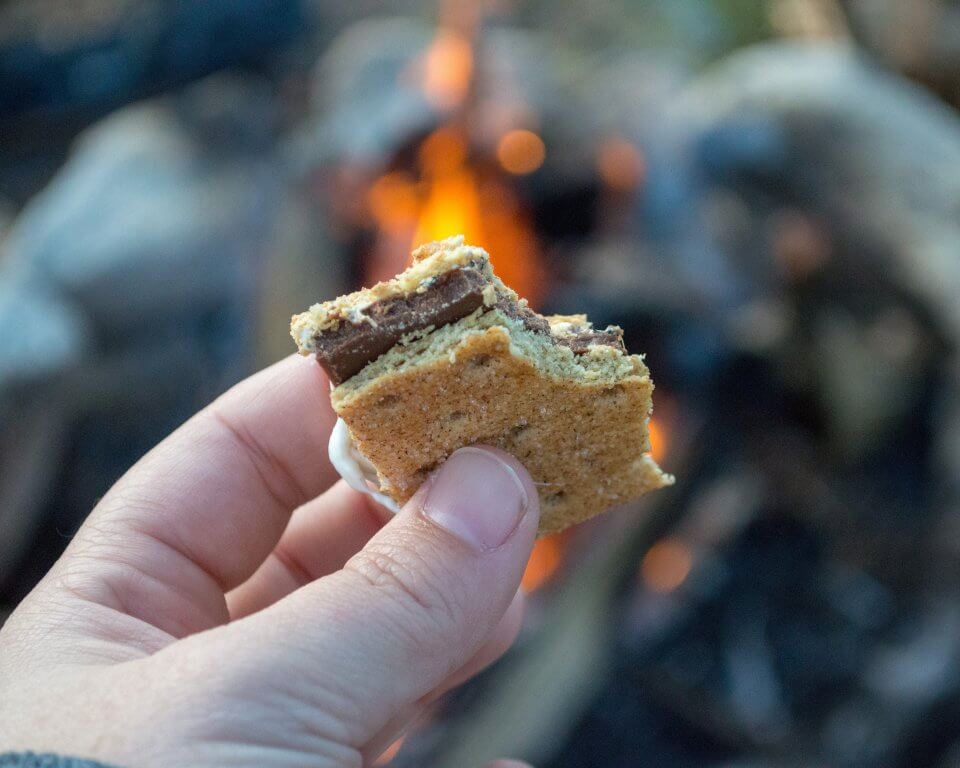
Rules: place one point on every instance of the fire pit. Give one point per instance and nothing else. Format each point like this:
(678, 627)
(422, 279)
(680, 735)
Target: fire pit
(776, 233)
(749, 613)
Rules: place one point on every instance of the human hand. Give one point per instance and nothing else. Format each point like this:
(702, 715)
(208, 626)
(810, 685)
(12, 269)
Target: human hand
(194, 621)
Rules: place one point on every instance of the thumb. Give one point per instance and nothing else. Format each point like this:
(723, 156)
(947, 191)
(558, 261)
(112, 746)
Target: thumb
(362, 645)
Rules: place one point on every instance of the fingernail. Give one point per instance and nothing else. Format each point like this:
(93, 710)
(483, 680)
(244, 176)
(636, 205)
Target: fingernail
(477, 497)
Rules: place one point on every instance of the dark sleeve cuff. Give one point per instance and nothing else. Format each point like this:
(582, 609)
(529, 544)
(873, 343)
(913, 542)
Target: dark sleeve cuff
(33, 760)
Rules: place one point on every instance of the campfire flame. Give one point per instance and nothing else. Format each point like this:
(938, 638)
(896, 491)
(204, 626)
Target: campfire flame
(461, 198)
(521, 151)
(621, 164)
(544, 561)
(666, 565)
(447, 69)
(451, 194)
(389, 753)
(452, 201)
(451, 191)
(659, 440)
(394, 202)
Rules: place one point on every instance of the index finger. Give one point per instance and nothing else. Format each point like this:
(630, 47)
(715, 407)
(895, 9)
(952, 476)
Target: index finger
(200, 512)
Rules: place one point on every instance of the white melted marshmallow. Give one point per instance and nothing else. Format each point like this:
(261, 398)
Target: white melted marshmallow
(354, 467)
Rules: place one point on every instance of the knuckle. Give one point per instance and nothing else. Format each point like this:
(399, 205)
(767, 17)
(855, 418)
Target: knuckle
(278, 480)
(427, 594)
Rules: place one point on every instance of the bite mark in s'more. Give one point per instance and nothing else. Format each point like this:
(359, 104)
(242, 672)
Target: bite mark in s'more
(445, 355)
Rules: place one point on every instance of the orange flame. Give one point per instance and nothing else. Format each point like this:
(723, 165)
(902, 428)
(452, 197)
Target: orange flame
(452, 204)
(453, 196)
(461, 201)
(393, 201)
(452, 207)
(621, 164)
(447, 69)
(666, 565)
(521, 152)
(389, 753)
(543, 564)
(659, 440)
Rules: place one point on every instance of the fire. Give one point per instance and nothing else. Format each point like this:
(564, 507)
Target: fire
(444, 151)
(510, 240)
(389, 753)
(544, 561)
(620, 164)
(451, 196)
(448, 70)
(452, 207)
(666, 565)
(452, 202)
(521, 151)
(459, 199)
(393, 201)
(659, 440)
(451, 192)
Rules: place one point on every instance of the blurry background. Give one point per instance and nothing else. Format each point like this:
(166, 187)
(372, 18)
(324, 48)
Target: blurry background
(764, 193)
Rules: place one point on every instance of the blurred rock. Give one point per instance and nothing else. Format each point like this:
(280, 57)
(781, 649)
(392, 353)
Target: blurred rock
(98, 54)
(127, 299)
(150, 217)
(926, 665)
(847, 220)
(32, 450)
(42, 344)
(42, 337)
(920, 38)
(876, 152)
(364, 108)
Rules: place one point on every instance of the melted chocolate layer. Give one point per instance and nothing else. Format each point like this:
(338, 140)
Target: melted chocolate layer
(581, 342)
(530, 319)
(345, 350)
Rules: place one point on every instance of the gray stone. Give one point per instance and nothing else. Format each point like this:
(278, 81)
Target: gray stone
(147, 218)
(41, 336)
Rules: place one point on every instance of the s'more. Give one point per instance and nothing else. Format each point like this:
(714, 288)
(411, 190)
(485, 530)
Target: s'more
(445, 355)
